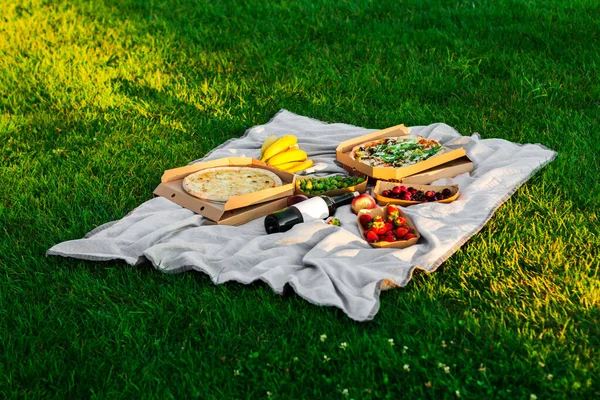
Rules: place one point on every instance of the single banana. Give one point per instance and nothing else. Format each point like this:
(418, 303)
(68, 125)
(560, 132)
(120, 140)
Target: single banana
(267, 143)
(287, 157)
(289, 165)
(298, 166)
(293, 148)
(281, 144)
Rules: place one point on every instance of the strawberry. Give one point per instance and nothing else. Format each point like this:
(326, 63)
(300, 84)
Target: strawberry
(379, 227)
(392, 210)
(398, 222)
(378, 218)
(371, 237)
(389, 238)
(365, 219)
(401, 232)
(410, 236)
(388, 226)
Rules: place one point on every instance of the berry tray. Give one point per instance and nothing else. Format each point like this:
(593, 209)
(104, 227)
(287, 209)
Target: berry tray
(359, 187)
(382, 186)
(398, 244)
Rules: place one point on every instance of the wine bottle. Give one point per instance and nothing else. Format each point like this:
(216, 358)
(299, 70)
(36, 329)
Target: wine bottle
(319, 207)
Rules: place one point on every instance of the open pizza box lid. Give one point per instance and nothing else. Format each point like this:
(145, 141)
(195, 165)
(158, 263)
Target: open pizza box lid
(237, 209)
(389, 173)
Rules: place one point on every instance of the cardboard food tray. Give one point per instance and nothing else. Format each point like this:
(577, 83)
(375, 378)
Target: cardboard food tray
(401, 244)
(383, 185)
(360, 188)
(448, 170)
(237, 209)
(387, 173)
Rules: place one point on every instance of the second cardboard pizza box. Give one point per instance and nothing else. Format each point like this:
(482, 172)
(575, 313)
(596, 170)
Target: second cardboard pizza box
(237, 209)
(389, 173)
(448, 170)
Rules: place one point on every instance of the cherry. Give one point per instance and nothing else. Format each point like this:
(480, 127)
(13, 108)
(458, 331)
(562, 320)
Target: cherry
(396, 190)
(385, 193)
(446, 192)
(430, 193)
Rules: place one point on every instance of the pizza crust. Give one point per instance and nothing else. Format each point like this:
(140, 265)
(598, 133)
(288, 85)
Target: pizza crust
(221, 183)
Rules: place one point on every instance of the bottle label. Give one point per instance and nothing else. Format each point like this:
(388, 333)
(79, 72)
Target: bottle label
(312, 209)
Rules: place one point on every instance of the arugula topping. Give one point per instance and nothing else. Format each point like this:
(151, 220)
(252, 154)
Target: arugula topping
(405, 152)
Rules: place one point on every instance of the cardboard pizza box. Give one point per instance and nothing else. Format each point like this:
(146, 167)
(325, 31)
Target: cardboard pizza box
(237, 209)
(388, 173)
(449, 170)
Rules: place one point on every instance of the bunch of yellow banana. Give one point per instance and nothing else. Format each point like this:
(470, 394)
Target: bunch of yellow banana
(284, 153)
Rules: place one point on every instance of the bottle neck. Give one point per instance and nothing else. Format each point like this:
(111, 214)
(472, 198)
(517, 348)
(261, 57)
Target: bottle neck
(333, 203)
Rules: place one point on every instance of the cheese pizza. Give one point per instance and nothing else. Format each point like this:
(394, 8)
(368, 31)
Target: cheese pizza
(221, 183)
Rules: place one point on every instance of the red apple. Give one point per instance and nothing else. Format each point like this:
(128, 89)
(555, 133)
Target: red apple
(364, 201)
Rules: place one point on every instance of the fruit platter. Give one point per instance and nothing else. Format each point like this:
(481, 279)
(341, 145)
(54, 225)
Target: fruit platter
(407, 195)
(387, 226)
(331, 185)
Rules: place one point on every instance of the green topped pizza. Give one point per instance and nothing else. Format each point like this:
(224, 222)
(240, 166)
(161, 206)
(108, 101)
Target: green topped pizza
(395, 152)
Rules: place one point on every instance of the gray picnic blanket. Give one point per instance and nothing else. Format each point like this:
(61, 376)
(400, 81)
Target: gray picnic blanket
(324, 264)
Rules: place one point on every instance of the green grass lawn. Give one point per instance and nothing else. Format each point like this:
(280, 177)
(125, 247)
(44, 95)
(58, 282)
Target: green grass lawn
(97, 98)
